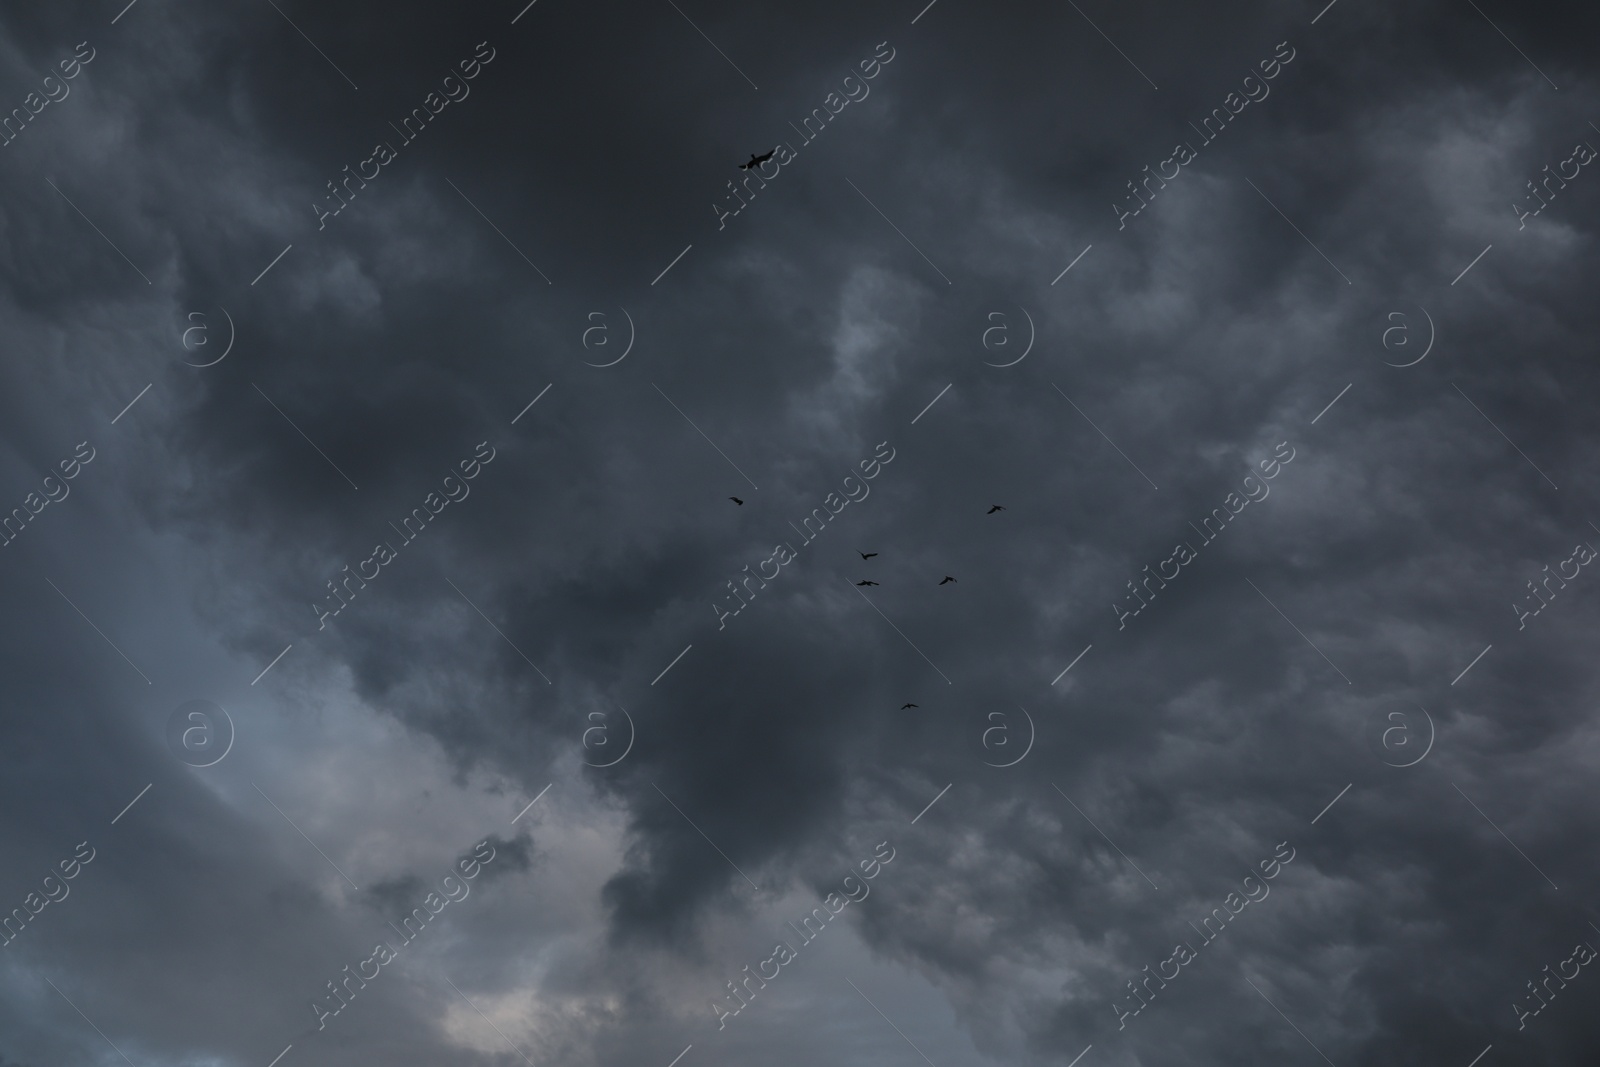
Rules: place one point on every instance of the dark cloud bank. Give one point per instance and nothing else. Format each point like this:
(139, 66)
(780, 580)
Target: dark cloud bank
(1268, 326)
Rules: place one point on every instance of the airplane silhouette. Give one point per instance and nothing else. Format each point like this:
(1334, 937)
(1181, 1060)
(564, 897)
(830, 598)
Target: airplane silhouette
(736, 500)
(903, 707)
(865, 555)
(994, 509)
(866, 583)
(947, 580)
(756, 161)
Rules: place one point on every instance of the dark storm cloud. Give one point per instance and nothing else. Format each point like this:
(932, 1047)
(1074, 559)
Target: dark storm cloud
(1244, 306)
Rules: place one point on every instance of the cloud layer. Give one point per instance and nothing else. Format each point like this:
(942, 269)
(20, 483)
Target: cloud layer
(422, 354)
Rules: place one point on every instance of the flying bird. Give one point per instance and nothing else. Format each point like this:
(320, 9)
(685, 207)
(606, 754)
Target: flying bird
(865, 555)
(866, 583)
(994, 509)
(736, 500)
(903, 707)
(756, 161)
(947, 580)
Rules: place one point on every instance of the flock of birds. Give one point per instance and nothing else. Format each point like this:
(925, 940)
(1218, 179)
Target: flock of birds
(946, 580)
(757, 160)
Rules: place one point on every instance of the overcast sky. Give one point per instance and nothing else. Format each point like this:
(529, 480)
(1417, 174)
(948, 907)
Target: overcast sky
(438, 483)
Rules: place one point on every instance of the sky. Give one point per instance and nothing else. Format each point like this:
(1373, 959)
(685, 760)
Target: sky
(1078, 560)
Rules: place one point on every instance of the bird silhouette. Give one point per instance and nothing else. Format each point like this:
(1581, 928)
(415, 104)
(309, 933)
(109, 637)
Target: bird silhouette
(903, 707)
(736, 500)
(866, 583)
(994, 509)
(756, 161)
(947, 580)
(865, 555)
